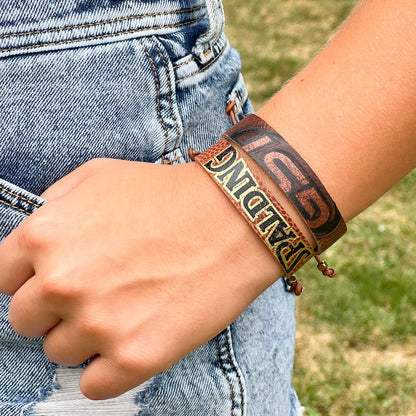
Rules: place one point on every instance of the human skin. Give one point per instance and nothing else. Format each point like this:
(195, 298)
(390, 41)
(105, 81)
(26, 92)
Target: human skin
(98, 279)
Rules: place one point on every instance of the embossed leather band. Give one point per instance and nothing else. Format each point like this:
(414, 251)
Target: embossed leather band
(294, 176)
(266, 216)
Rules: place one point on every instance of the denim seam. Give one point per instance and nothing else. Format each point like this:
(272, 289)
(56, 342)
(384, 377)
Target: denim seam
(204, 67)
(233, 367)
(184, 63)
(219, 361)
(169, 94)
(2, 188)
(103, 22)
(157, 93)
(15, 207)
(88, 38)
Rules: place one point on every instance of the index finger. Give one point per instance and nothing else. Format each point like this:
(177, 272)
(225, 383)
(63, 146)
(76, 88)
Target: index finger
(16, 265)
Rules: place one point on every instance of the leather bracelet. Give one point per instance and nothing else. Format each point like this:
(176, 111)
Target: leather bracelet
(266, 216)
(294, 176)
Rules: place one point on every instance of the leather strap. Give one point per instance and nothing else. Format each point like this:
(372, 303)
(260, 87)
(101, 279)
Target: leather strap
(266, 216)
(294, 176)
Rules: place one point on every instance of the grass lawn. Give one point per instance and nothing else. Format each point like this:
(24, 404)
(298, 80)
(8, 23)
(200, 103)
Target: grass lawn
(356, 349)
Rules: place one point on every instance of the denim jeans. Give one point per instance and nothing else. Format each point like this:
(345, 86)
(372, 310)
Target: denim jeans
(140, 80)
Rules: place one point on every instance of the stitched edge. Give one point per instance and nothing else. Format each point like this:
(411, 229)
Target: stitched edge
(219, 361)
(234, 368)
(184, 63)
(15, 207)
(169, 95)
(102, 22)
(2, 188)
(157, 92)
(107, 35)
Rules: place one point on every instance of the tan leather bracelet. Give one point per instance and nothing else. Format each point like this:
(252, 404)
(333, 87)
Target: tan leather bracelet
(294, 176)
(266, 216)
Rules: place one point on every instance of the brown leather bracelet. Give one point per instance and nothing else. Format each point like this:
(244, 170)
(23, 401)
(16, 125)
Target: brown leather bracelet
(294, 176)
(266, 216)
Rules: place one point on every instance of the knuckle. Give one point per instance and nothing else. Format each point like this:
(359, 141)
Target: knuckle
(14, 318)
(61, 282)
(58, 291)
(58, 356)
(51, 354)
(89, 391)
(94, 389)
(94, 164)
(131, 360)
(54, 285)
(36, 232)
(92, 325)
(15, 324)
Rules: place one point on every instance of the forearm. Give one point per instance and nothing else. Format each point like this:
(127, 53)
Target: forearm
(351, 113)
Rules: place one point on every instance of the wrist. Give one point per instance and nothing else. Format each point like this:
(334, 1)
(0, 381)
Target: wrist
(250, 255)
(255, 203)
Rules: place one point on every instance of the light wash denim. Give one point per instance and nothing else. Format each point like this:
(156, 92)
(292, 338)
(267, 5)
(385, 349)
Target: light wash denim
(139, 80)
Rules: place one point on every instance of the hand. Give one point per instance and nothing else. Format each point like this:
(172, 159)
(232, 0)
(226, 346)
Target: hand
(133, 264)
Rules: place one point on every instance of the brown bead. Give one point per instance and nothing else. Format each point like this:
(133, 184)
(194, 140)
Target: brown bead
(297, 288)
(291, 280)
(322, 266)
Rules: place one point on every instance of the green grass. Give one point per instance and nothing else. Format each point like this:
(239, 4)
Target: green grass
(356, 346)
(356, 333)
(276, 38)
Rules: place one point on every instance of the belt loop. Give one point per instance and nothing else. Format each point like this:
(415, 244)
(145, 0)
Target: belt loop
(203, 46)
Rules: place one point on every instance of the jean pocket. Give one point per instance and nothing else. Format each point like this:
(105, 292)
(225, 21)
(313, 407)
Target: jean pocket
(63, 108)
(15, 205)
